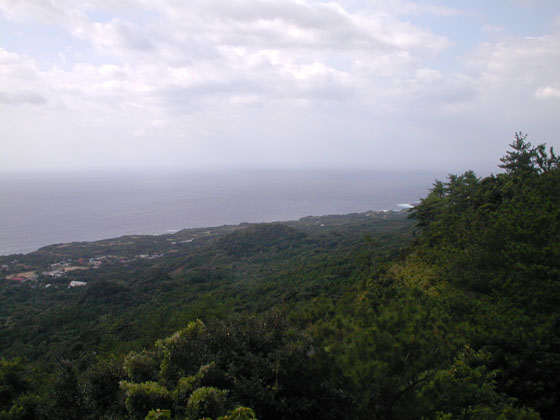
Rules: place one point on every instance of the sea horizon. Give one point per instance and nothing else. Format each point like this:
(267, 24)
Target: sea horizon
(40, 209)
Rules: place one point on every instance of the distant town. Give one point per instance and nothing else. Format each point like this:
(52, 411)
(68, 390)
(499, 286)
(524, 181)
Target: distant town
(70, 265)
(36, 276)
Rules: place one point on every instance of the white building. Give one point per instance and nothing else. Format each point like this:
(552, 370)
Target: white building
(75, 283)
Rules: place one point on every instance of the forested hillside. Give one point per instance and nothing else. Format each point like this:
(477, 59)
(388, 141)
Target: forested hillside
(449, 312)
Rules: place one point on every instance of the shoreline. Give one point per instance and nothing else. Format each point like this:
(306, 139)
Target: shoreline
(173, 232)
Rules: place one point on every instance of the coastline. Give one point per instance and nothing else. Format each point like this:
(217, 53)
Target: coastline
(184, 235)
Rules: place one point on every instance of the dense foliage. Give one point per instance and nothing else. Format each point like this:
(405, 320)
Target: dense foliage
(357, 316)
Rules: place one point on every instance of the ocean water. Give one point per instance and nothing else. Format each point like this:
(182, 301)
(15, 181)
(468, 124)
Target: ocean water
(43, 209)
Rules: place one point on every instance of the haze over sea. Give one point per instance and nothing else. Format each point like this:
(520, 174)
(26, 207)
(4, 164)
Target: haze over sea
(43, 209)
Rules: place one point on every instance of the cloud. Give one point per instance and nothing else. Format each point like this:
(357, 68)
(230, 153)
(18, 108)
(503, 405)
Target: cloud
(42, 11)
(515, 65)
(20, 81)
(188, 53)
(403, 7)
(548, 92)
(15, 67)
(244, 81)
(114, 37)
(21, 97)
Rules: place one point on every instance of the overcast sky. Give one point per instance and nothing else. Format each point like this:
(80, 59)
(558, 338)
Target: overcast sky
(372, 84)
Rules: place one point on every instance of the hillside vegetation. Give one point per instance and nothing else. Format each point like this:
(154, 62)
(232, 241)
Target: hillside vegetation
(449, 312)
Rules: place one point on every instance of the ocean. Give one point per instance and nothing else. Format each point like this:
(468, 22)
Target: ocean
(43, 209)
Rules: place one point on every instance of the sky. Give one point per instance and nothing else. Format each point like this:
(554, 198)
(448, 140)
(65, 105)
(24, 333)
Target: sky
(284, 84)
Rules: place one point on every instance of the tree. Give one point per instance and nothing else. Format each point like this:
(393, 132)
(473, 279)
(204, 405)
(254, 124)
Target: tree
(206, 402)
(525, 159)
(17, 402)
(67, 397)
